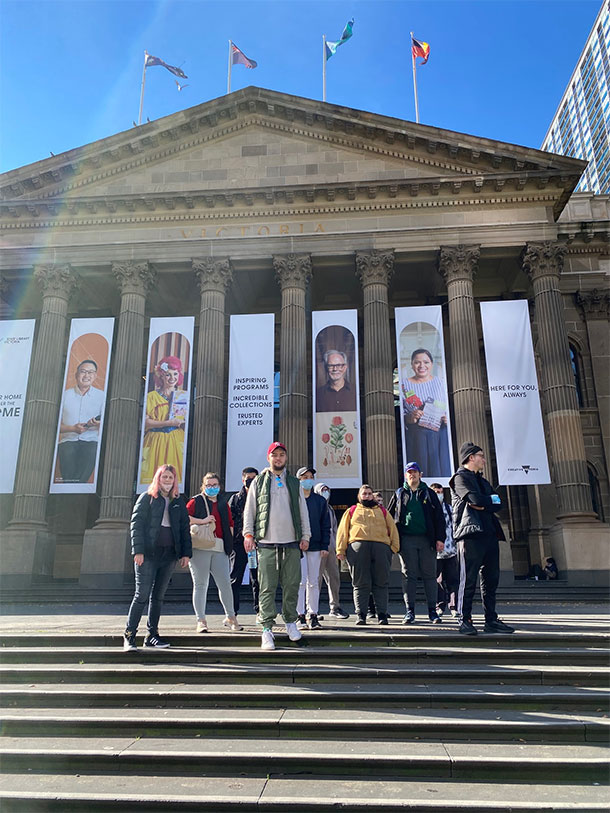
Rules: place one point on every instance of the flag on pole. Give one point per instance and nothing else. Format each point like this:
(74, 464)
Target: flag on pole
(421, 49)
(239, 58)
(151, 61)
(331, 47)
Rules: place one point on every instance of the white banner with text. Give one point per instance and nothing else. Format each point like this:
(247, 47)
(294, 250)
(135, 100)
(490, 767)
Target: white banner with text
(168, 398)
(422, 385)
(513, 394)
(81, 417)
(250, 396)
(336, 406)
(16, 340)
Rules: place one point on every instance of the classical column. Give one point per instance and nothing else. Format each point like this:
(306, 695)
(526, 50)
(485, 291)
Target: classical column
(543, 263)
(57, 283)
(458, 265)
(122, 422)
(293, 272)
(596, 309)
(214, 276)
(375, 269)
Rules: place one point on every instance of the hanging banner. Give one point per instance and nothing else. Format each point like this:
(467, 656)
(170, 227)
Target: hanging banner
(424, 400)
(513, 394)
(81, 417)
(250, 396)
(168, 398)
(16, 340)
(336, 405)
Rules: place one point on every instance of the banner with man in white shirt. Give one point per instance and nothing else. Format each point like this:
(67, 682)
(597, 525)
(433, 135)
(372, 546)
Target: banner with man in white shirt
(81, 415)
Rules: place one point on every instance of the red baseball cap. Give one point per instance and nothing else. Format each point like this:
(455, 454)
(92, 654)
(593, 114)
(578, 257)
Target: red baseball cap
(276, 445)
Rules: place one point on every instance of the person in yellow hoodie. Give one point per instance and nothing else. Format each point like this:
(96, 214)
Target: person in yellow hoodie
(367, 537)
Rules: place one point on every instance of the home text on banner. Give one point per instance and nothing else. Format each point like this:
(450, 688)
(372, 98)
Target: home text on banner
(81, 416)
(168, 398)
(16, 339)
(250, 396)
(422, 384)
(513, 393)
(336, 405)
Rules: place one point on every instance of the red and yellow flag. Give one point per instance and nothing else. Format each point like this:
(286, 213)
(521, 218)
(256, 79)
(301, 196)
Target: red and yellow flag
(421, 49)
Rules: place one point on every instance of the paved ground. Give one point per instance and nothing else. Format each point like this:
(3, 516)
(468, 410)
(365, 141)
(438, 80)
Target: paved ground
(179, 618)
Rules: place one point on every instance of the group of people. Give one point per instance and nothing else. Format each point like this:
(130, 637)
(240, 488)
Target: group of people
(283, 527)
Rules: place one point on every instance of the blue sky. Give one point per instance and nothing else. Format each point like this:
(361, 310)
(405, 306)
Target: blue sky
(70, 70)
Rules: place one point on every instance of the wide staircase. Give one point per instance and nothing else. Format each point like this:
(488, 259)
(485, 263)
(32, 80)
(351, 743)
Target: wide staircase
(369, 719)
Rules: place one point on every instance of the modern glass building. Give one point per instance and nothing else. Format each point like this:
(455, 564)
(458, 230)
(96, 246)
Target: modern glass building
(581, 125)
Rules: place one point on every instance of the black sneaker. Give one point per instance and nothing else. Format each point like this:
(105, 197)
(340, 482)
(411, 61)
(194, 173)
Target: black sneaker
(434, 618)
(338, 613)
(498, 626)
(382, 619)
(468, 628)
(129, 641)
(314, 624)
(361, 621)
(301, 622)
(409, 617)
(154, 639)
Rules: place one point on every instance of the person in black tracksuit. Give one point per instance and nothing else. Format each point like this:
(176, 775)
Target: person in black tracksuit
(477, 530)
(239, 557)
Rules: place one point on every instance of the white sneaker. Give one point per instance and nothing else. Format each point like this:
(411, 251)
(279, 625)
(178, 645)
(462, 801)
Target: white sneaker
(293, 632)
(267, 640)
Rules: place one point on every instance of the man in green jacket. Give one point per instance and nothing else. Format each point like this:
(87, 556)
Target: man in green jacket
(276, 525)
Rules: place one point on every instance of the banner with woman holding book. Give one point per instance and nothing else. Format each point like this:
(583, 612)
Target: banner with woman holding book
(424, 401)
(167, 402)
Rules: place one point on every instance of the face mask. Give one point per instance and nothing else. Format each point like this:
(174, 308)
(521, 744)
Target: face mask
(212, 491)
(307, 484)
(248, 482)
(441, 496)
(368, 503)
(326, 495)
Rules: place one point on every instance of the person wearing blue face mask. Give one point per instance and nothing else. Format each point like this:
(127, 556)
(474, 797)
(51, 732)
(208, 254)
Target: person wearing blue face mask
(209, 507)
(319, 521)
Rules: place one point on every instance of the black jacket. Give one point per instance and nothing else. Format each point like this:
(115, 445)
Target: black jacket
(433, 512)
(319, 521)
(467, 489)
(237, 503)
(221, 504)
(146, 525)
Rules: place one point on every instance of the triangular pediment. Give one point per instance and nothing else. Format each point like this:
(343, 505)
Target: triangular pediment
(257, 142)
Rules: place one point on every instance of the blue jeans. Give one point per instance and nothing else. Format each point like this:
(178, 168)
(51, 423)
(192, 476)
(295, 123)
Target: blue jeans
(152, 579)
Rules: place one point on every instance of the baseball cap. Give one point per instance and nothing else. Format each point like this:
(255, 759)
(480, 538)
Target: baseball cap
(276, 445)
(413, 466)
(302, 470)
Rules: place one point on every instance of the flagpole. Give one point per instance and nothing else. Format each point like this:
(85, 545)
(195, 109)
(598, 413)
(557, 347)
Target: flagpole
(414, 82)
(229, 69)
(142, 89)
(323, 67)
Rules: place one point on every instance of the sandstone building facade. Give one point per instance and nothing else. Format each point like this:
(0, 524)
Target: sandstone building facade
(264, 202)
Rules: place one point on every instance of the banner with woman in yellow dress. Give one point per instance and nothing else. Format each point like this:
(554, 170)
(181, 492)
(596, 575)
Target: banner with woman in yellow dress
(167, 402)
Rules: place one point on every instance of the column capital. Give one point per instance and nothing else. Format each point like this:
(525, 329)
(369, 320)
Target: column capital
(292, 270)
(595, 304)
(374, 267)
(56, 280)
(458, 262)
(213, 273)
(543, 259)
(134, 277)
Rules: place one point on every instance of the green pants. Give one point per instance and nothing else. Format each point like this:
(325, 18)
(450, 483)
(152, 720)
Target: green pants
(278, 565)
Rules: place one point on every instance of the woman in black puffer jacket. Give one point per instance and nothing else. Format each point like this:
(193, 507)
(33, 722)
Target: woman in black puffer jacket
(160, 535)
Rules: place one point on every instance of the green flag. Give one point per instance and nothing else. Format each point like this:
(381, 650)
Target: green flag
(331, 47)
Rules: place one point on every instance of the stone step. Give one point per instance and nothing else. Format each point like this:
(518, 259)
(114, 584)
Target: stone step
(333, 695)
(380, 758)
(272, 673)
(211, 651)
(415, 724)
(392, 636)
(271, 793)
